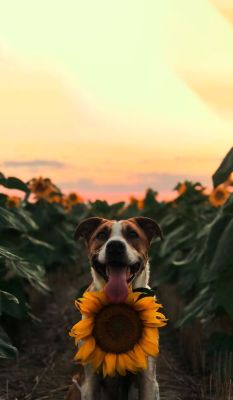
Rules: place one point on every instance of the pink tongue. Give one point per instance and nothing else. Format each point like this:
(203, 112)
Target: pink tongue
(116, 288)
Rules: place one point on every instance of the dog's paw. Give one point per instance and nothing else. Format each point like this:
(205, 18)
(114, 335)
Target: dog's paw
(74, 392)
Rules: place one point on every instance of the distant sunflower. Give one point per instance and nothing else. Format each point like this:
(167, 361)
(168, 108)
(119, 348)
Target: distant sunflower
(13, 201)
(74, 198)
(65, 203)
(41, 187)
(117, 337)
(140, 204)
(219, 196)
(133, 200)
(54, 198)
(182, 188)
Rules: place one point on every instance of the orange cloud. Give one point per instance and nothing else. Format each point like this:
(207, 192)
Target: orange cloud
(216, 91)
(225, 7)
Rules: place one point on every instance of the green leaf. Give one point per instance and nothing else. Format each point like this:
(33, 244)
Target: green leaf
(7, 350)
(8, 220)
(223, 256)
(224, 170)
(224, 288)
(17, 310)
(217, 228)
(13, 183)
(190, 257)
(26, 218)
(9, 296)
(196, 307)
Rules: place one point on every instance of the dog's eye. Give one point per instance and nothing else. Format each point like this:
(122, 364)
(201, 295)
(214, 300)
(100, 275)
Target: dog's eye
(133, 234)
(102, 235)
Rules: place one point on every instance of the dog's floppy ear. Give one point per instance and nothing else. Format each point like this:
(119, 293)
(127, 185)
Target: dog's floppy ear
(149, 226)
(87, 227)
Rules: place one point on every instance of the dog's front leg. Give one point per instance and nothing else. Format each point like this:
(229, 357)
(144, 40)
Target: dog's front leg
(148, 385)
(90, 389)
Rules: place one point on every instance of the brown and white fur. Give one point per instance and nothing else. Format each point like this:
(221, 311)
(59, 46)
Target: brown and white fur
(119, 244)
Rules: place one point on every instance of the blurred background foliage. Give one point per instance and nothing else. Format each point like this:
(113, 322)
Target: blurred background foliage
(192, 266)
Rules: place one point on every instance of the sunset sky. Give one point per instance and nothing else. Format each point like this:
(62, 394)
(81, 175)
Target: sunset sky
(109, 97)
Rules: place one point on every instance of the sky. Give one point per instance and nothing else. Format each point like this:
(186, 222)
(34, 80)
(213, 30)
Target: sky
(110, 97)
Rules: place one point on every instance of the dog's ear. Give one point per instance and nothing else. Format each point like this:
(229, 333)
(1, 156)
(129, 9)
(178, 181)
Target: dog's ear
(87, 227)
(149, 226)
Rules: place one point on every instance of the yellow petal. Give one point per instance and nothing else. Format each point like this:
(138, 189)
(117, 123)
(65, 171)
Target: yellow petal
(132, 298)
(89, 306)
(147, 316)
(138, 357)
(109, 366)
(146, 303)
(91, 302)
(124, 362)
(120, 364)
(151, 318)
(150, 348)
(98, 357)
(160, 319)
(85, 352)
(96, 296)
(82, 329)
(151, 334)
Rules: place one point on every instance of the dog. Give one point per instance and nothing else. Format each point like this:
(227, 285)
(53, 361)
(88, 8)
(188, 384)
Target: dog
(118, 253)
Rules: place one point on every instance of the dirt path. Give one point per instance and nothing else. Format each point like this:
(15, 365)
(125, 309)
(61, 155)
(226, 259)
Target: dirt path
(44, 367)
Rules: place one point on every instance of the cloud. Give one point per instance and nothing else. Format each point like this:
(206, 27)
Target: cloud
(136, 183)
(167, 181)
(34, 164)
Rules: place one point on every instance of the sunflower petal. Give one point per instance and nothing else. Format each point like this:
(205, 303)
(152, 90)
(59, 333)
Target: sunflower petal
(86, 350)
(120, 364)
(150, 348)
(99, 296)
(138, 357)
(109, 366)
(132, 298)
(151, 334)
(124, 362)
(146, 303)
(88, 306)
(82, 329)
(98, 357)
(152, 318)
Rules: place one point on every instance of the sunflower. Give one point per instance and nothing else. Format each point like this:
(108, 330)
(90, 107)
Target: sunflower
(182, 188)
(74, 198)
(41, 187)
(139, 203)
(54, 198)
(65, 203)
(219, 195)
(117, 337)
(13, 201)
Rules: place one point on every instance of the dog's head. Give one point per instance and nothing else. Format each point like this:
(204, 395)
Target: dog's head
(117, 250)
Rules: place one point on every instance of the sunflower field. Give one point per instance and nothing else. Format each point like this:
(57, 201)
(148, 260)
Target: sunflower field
(192, 267)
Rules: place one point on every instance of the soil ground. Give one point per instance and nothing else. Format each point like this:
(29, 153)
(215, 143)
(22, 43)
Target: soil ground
(44, 367)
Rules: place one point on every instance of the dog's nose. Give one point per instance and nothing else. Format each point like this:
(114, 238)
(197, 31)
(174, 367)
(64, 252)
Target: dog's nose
(115, 247)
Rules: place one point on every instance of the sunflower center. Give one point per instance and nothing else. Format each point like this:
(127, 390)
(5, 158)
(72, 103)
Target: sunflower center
(219, 194)
(117, 328)
(40, 187)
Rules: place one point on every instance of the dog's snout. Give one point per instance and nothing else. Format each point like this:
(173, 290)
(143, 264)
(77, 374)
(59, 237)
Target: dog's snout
(115, 247)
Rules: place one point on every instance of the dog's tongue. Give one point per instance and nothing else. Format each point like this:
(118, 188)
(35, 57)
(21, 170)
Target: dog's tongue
(116, 288)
